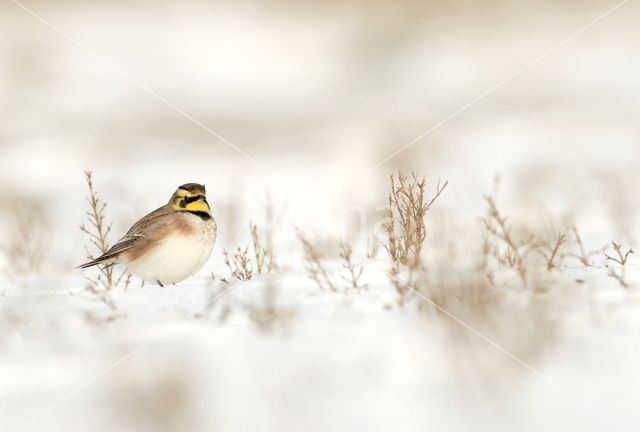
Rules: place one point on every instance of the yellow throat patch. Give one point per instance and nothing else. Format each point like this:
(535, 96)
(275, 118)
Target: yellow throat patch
(190, 202)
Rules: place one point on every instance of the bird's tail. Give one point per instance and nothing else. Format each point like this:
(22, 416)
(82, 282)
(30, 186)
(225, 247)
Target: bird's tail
(111, 254)
(103, 259)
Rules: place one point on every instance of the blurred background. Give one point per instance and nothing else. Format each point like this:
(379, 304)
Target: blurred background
(303, 103)
(318, 95)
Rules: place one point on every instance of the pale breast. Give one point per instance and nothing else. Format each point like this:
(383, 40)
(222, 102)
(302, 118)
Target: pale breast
(177, 252)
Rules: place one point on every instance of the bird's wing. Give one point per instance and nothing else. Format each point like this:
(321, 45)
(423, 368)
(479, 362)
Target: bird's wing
(136, 233)
(146, 224)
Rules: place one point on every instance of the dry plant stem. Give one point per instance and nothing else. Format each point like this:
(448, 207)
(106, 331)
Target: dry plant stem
(621, 257)
(406, 212)
(268, 233)
(517, 251)
(406, 230)
(583, 256)
(372, 248)
(313, 263)
(258, 251)
(264, 255)
(502, 232)
(554, 252)
(242, 264)
(127, 279)
(98, 229)
(355, 271)
(488, 250)
(239, 263)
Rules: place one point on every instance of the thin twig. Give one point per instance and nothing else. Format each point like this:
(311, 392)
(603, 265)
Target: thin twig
(314, 266)
(355, 271)
(621, 256)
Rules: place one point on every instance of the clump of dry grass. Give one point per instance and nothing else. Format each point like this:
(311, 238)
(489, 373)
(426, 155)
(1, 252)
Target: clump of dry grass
(406, 230)
(25, 246)
(263, 252)
(512, 249)
(258, 256)
(621, 257)
(474, 309)
(97, 231)
(314, 265)
(239, 263)
(244, 264)
(511, 244)
(317, 270)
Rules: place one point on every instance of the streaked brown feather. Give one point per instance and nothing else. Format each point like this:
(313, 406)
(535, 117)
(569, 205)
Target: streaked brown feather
(137, 233)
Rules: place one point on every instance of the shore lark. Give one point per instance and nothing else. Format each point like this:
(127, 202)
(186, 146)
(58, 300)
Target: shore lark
(169, 244)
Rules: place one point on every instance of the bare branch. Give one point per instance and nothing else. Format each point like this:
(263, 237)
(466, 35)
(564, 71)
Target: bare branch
(355, 271)
(314, 266)
(621, 257)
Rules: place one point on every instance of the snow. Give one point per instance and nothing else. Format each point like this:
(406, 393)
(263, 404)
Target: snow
(329, 361)
(277, 353)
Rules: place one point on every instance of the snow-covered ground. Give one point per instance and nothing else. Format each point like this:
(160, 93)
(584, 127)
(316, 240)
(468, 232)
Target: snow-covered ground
(182, 359)
(318, 97)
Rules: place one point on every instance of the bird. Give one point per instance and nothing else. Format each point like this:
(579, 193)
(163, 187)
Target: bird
(169, 244)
